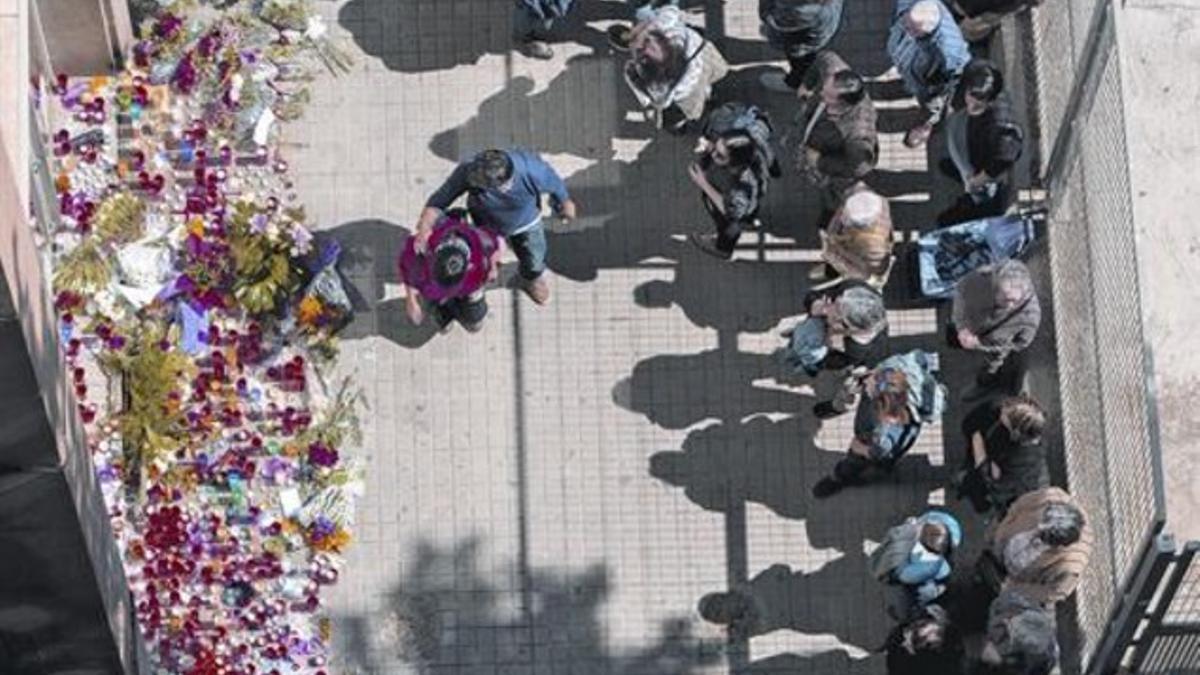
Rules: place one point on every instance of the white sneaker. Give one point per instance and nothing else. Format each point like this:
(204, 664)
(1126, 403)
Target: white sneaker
(775, 81)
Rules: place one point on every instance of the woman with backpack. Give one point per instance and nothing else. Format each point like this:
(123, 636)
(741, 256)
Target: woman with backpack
(984, 141)
(734, 165)
(914, 561)
(899, 396)
(672, 68)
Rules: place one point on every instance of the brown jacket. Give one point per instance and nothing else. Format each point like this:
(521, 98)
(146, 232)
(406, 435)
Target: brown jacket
(844, 144)
(859, 252)
(1054, 575)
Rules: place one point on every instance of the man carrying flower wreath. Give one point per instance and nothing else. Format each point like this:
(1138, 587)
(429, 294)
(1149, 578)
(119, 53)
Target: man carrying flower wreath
(504, 196)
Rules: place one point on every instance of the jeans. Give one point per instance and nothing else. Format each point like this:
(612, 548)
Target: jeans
(530, 247)
(469, 311)
(528, 26)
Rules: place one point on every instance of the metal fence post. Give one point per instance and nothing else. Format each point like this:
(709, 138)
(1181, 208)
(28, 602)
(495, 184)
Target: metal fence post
(1154, 624)
(1131, 608)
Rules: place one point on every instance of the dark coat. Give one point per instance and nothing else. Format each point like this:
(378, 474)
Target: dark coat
(1022, 466)
(995, 139)
(848, 141)
(800, 27)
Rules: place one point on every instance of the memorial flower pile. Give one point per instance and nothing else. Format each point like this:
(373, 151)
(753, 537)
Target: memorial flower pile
(188, 282)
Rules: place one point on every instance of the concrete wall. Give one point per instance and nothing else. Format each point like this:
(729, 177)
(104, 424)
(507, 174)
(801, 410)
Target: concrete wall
(82, 37)
(64, 603)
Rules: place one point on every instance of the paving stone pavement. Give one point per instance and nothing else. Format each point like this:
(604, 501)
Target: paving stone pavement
(556, 493)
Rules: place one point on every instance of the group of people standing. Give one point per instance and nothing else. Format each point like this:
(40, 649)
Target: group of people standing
(1040, 538)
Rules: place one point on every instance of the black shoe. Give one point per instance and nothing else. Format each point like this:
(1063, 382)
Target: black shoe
(708, 244)
(827, 487)
(825, 410)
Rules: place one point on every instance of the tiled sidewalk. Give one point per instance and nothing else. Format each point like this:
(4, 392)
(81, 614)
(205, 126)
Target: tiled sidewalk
(555, 494)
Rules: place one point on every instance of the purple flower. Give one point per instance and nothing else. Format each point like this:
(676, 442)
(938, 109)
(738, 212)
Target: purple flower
(185, 75)
(322, 527)
(258, 224)
(321, 455)
(184, 284)
(167, 25)
(209, 44)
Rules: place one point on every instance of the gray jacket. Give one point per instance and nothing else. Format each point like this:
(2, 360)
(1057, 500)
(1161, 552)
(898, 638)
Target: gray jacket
(1001, 330)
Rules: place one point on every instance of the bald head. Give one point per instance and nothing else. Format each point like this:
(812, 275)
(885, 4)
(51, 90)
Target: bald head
(923, 18)
(863, 208)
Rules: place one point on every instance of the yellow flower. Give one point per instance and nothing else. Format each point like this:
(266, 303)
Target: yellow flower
(196, 226)
(310, 310)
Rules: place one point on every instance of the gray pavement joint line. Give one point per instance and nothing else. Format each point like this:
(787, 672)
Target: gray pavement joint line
(522, 467)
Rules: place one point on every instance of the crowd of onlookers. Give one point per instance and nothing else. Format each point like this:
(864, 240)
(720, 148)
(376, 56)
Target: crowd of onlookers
(1038, 538)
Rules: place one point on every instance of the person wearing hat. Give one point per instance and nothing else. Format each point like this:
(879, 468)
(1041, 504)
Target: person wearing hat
(857, 243)
(504, 196)
(458, 261)
(930, 53)
(984, 141)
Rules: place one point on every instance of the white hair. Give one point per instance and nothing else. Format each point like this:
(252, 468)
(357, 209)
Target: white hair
(862, 208)
(925, 15)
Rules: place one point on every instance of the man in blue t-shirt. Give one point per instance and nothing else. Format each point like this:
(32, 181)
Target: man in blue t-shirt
(504, 196)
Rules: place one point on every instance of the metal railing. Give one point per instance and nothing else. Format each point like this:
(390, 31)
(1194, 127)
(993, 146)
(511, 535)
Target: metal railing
(1157, 630)
(1110, 442)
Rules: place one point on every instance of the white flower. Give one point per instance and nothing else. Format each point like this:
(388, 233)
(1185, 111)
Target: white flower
(316, 28)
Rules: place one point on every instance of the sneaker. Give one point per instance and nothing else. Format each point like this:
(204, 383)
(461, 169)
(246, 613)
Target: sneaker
(619, 37)
(777, 82)
(827, 487)
(708, 244)
(537, 290)
(825, 410)
(537, 49)
(918, 135)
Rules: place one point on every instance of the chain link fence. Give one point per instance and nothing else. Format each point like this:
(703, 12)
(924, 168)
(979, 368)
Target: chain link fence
(1070, 54)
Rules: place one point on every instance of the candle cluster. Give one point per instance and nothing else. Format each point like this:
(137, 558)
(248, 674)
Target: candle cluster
(188, 282)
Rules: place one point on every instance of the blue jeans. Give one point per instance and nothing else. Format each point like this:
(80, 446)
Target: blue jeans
(530, 247)
(529, 26)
